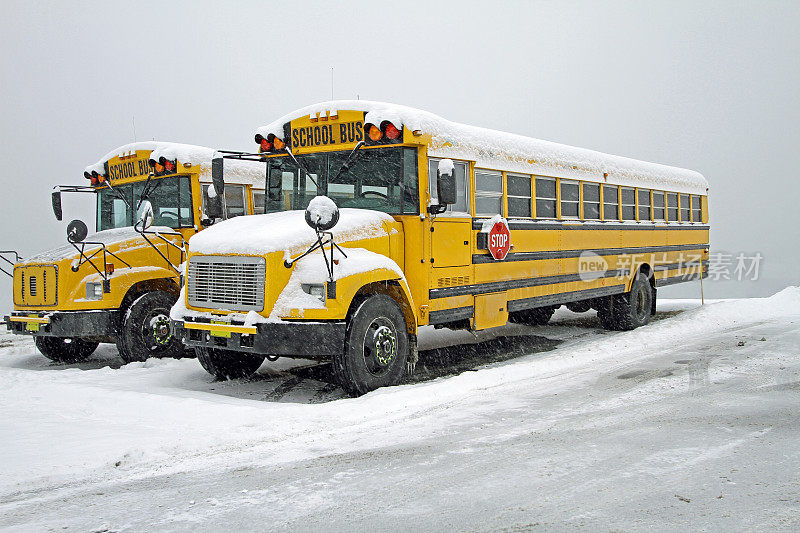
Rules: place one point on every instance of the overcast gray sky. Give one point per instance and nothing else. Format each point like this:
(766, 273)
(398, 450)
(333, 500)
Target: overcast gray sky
(710, 86)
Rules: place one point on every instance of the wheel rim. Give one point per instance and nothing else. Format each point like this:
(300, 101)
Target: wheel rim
(380, 346)
(641, 303)
(156, 330)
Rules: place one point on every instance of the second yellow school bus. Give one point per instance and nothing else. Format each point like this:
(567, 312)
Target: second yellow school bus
(438, 224)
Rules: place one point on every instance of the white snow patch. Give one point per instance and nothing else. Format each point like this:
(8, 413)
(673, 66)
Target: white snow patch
(446, 166)
(511, 152)
(287, 230)
(322, 209)
(487, 225)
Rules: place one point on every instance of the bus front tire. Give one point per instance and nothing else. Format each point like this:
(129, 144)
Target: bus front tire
(65, 349)
(228, 364)
(146, 330)
(376, 347)
(629, 310)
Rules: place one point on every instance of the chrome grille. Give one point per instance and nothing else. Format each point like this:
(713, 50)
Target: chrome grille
(222, 282)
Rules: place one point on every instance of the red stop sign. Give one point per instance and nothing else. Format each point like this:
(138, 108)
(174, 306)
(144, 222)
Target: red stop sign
(499, 241)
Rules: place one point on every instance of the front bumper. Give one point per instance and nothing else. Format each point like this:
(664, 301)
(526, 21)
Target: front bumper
(96, 324)
(314, 340)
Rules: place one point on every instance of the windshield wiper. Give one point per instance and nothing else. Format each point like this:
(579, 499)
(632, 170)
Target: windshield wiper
(346, 165)
(118, 194)
(301, 167)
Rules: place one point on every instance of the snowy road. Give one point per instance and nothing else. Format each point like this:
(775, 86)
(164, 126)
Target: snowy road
(671, 426)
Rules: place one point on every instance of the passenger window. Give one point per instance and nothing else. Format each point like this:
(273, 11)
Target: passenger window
(697, 215)
(488, 192)
(591, 201)
(628, 204)
(258, 201)
(685, 214)
(569, 199)
(462, 192)
(610, 202)
(545, 197)
(644, 205)
(519, 195)
(659, 212)
(672, 207)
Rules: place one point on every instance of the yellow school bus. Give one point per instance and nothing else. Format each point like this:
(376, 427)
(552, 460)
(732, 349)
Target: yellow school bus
(434, 223)
(117, 285)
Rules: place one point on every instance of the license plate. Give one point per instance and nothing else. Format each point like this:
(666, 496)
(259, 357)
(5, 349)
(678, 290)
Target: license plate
(32, 326)
(226, 334)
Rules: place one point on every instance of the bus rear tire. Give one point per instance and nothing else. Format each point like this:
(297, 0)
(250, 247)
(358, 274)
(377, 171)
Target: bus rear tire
(629, 310)
(376, 347)
(532, 317)
(64, 349)
(147, 331)
(228, 364)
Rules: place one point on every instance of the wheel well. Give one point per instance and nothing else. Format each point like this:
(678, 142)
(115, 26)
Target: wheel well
(161, 284)
(392, 289)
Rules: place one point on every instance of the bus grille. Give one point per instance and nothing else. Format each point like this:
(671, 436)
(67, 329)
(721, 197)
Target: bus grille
(221, 282)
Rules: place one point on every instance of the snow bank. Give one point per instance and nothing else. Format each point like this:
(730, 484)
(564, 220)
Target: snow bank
(508, 151)
(288, 231)
(244, 172)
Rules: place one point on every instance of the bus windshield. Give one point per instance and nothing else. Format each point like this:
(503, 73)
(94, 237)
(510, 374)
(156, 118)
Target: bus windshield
(171, 198)
(383, 179)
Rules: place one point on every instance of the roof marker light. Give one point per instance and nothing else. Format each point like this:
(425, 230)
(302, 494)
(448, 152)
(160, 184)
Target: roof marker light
(278, 143)
(375, 133)
(391, 131)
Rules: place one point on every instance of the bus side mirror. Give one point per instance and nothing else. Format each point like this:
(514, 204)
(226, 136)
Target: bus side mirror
(216, 175)
(145, 216)
(213, 203)
(77, 231)
(57, 203)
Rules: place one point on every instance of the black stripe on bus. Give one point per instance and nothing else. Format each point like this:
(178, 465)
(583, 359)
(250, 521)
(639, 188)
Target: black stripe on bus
(679, 279)
(451, 315)
(563, 297)
(673, 266)
(499, 286)
(564, 254)
(477, 223)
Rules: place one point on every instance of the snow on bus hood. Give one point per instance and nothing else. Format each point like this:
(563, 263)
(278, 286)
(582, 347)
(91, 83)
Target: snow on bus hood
(287, 230)
(107, 237)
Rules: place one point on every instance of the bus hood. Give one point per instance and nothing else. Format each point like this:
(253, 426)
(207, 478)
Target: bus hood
(109, 237)
(286, 231)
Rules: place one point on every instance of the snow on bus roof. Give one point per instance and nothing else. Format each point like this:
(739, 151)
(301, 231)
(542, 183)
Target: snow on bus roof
(507, 151)
(236, 171)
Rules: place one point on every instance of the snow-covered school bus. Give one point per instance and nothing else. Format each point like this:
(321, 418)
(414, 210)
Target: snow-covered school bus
(380, 219)
(117, 285)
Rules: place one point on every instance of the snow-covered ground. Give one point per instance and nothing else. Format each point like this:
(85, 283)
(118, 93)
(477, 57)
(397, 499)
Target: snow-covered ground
(690, 422)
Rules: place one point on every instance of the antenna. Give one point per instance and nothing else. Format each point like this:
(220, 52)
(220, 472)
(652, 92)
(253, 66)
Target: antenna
(331, 83)
(134, 128)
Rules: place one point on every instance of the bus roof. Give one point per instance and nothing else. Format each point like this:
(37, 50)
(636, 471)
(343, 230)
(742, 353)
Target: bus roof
(236, 171)
(507, 151)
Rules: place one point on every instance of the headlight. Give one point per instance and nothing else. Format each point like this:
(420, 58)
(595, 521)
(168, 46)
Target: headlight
(94, 290)
(316, 290)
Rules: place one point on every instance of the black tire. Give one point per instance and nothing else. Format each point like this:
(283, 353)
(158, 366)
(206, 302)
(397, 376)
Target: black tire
(532, 317)
(65, 349)
(376, 347)
(630, 310)
(147, 331)
(228, 364)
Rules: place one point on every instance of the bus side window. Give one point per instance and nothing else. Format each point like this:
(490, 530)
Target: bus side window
(569, 199)
(258, 201)
(644, 204)
(628, 204)
(545, 197)
(234, 200)
(672, 206)
(610, 202)
(591, 201)
(488, 192)
(696, 211)
(658, 206)
(685, 211)
(519, 195)
(461, 185)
